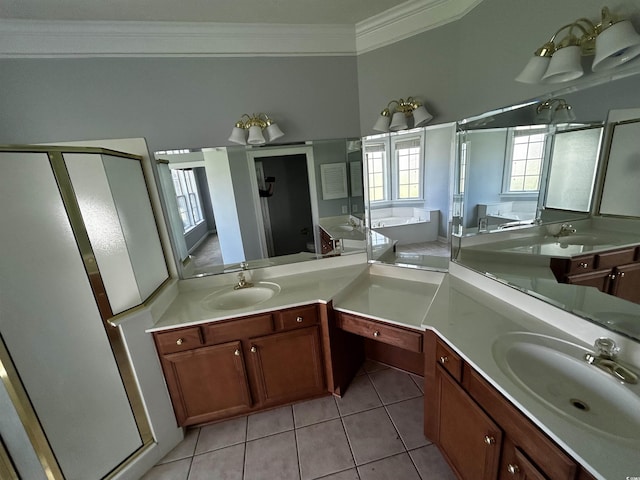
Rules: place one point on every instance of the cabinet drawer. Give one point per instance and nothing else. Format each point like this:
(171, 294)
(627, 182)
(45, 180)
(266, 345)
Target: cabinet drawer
(522, 432)
(238, 329)
(580, 264)
(449, 360)
(178, 340)
(382, 332)
(613, 259)
(296, 317)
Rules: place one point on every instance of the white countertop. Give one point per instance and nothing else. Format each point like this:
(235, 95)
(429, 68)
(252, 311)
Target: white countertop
(298, 289)
(466, 317)
(394, 295)
(470, 320)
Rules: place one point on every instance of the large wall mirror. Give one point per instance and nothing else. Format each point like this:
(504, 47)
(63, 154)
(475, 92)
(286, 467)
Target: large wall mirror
(408, 188)
(548, 203)
(249, 207)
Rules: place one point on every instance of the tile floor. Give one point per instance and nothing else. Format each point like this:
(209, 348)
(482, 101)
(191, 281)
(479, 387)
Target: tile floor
(373, 433)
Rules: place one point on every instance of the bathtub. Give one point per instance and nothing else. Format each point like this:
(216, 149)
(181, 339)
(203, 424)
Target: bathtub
(406, 225)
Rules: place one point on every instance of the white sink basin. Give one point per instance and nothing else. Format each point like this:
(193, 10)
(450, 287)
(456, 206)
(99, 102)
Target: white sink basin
(343, 228)
(555, 372)
(230, 299)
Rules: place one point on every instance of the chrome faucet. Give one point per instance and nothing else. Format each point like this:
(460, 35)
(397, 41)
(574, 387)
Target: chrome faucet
(605, 359)
(242, 282)
(565, 229)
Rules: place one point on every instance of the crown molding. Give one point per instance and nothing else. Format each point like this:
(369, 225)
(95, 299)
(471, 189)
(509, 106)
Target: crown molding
(26, 38)
(408, 19)
(41, 38)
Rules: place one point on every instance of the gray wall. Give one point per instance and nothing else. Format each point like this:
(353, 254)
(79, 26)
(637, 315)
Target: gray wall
(468, 67)
(175, 102)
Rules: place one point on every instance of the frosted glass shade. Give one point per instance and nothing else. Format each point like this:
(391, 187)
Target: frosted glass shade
(238, 135)
(255, 136)
(563, 114)
(382, 124)
(565, 65)
(273, 132)
(544, 115)
(534, 70)
(616, 45)
(398, 122)
(421, 116)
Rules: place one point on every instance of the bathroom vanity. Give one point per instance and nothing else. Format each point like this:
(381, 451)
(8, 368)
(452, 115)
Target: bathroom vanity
(485, 413)
(219, 369)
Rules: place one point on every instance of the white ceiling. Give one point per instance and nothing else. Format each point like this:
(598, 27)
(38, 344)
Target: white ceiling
(223, 11)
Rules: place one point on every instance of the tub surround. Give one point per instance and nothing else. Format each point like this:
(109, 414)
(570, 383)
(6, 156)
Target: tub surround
(467, 310)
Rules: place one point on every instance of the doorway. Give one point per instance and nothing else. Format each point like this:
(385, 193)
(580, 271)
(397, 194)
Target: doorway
(286, 195)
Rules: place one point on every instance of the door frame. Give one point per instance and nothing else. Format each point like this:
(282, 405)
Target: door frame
(306, 150)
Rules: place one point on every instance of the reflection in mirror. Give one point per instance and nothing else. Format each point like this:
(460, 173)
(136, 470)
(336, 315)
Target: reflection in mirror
(247, 207)
(408, 189)
(564, 247)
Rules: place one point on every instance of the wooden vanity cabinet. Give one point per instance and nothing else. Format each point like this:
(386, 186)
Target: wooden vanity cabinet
(467, 436)
(207, 382)
(616, 272)
(288, 365)
(393, 345)
(480, 433)
(226, 368)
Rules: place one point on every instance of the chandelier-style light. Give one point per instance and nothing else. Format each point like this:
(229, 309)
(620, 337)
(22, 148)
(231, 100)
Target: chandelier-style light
(257, 129)
(613, 42)
(405, 114)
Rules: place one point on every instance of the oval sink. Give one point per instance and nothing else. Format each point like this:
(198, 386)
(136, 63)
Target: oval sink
(555, 372)
(230, 299)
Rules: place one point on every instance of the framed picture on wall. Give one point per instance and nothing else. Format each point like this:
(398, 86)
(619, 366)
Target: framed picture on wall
(333, 177)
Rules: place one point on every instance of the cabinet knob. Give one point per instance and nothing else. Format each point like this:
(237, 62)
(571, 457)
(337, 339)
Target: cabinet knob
(621, 274)
(513, 469)
(444, 359)
(376, 333)
(612, 276)
(583, 265)
(299, 319)
(179, 341)
(254, 349)
(489, 440)
(237, 353)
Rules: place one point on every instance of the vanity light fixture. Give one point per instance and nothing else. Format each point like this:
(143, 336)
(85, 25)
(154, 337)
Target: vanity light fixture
(554, 110)
(613, 41)
(404, 114)
(257, 129)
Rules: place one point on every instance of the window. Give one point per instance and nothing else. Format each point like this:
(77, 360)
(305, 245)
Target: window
(462, 173)
(377, 171)
(395, 169)
(408, 168)
(189, 205)
(523, 171)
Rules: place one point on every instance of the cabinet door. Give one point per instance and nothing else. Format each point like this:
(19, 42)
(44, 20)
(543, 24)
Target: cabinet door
(207, 383)
(516, 466)
(288, 365)
(627, 282)
(467, 436)
(599, 279)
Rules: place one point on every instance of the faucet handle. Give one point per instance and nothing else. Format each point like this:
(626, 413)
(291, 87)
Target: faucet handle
(606, 347)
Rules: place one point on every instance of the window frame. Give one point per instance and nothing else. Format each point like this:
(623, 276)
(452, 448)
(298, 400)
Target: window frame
(513, 133)
(395, 166)
(187, 192)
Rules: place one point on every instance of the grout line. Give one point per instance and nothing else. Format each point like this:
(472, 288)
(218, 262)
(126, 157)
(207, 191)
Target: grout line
(244, 456)
(295, 436)
(195, 447)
